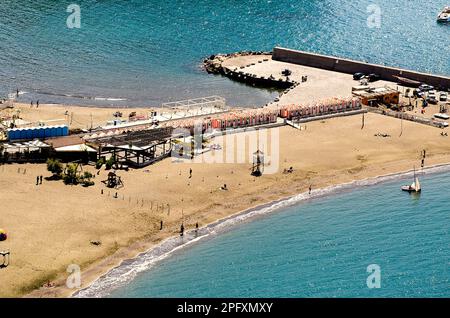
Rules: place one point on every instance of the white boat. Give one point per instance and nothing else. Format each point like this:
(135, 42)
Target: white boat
(444, 16)
(414, 187)
(441, 116)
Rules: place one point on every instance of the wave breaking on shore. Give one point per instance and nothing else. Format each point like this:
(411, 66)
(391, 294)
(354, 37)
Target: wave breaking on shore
(128, 269)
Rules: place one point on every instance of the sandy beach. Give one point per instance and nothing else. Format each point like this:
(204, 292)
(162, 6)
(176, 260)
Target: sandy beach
(51, 226)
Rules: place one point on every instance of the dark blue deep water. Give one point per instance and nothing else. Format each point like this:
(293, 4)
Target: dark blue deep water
(148, 51)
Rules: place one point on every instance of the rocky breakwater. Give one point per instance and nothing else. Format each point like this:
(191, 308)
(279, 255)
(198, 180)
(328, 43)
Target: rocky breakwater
(214, 65)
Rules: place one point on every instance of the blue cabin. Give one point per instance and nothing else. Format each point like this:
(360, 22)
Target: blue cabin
(39, 132)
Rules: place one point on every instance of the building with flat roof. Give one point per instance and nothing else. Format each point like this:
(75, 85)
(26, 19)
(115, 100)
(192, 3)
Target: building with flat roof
(384, 95)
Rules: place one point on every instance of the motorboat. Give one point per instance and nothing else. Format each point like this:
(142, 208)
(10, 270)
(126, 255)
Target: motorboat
(444, 16)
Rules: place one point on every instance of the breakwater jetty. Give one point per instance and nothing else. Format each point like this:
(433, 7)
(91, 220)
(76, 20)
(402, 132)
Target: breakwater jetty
(215, 65)
(338, 64)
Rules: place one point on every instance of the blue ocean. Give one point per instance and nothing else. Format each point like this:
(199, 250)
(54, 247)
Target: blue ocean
(307, 247)
(147, 52)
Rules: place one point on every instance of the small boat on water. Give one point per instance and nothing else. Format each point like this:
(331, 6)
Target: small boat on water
(414, 187)
(444, 16)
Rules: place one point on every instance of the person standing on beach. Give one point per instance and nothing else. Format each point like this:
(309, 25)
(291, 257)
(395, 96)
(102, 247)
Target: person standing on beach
(310, 188)
(17, 93)
(190, 173)
(161, 225)
(37, 103)
(424, 154)
(31, 105)
(40, 179)
(182, 230)
(37, 180)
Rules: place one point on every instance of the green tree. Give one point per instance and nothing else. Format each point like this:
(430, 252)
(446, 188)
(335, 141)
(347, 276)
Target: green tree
(100, 163)
(70, 174)
(55, 167)
(109, 163)
(86, 179)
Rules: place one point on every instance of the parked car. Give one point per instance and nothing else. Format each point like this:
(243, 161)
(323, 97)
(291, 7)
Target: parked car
(441, 124)
(358, 76)
(373, 77)
(443, 97)
(432, 100)
(442, 116)
(426, 87)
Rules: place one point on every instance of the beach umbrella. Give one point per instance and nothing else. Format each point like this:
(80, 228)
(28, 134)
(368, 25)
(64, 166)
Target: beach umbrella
(3, 235)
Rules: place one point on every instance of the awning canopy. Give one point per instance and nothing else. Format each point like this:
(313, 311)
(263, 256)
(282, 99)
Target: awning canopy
(75, 148)
(26, 145)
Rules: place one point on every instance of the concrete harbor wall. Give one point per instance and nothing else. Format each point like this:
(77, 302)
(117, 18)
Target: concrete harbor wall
(349, 66)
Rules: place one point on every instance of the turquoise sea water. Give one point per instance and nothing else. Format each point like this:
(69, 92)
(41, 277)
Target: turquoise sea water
(148, 52)
(315, 248)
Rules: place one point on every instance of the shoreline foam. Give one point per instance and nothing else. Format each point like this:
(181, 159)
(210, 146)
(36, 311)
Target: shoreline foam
(128, 269)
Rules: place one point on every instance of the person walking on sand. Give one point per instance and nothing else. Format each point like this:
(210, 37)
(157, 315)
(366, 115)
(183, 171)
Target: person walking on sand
(37, 180)
(190, 173)
(161, 225)
(40, 179)
(310, 188)
(182, 230)
(31, 105)
(37, 103)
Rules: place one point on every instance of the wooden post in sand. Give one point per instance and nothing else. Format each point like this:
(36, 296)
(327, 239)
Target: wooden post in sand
(401, 125)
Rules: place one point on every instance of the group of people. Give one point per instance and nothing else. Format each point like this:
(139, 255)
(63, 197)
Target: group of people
(424, 155)
(31, 104)
(290, 170)
(182, 228)
(38, 180)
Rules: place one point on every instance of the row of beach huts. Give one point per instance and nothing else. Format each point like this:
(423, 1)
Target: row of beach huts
(245, 117)
(234, 119)
(270, 114)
